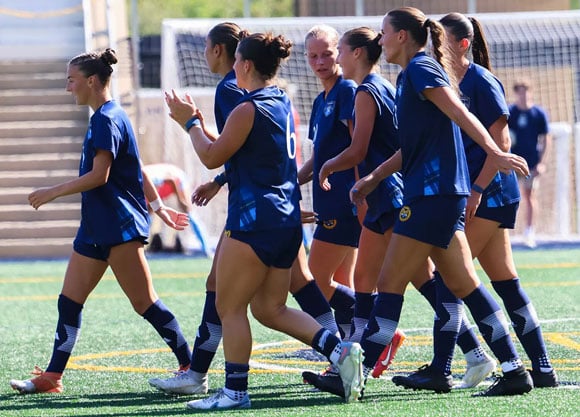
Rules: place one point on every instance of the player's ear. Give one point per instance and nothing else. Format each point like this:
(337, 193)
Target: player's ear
(218, 50)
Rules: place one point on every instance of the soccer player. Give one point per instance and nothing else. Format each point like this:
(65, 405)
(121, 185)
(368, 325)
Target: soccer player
(491, 207)
(374, 141)
(528, 124)
(114, 222)
(220, 47)
(436, 183)
(263, 227)
(334, 246)
(221, 44)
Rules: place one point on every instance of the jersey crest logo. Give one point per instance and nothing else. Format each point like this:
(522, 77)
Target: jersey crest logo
(329, 108)
(405, 213)
(329, 224)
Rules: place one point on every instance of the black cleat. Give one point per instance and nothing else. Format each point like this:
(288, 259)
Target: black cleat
(544, 379)
(327, 382)
(516, 382)
(428, 378)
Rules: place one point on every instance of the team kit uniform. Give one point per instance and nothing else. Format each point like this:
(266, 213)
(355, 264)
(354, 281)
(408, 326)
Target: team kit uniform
(435, 176)
(264, 196)
(116, 212)
(484, 96)
(499, 203)
(436, 184)
(337, 219)
(386, 199)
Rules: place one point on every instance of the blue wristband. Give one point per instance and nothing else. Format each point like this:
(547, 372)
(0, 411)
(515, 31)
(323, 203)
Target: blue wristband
(477, 188)
(220, 179)
(194, 121)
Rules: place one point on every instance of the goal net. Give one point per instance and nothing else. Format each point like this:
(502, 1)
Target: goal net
(543, 46)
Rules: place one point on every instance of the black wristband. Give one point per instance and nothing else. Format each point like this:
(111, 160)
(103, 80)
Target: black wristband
(477, 188)
(194, 121)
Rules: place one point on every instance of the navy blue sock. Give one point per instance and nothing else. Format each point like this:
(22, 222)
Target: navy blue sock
(209, 335)
(166, 325)
(312, 301)
(448, 313)
(467, 339)
(325, 342)
(362, 312)
(524, 321)
(429, 291)
(492, 324)
(381, 327)
(68, 330)
(237, 376)
(342, 301)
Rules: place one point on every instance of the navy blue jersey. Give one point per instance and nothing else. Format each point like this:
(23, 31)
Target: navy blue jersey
(263, 181)
(115, 212)
(484, 96)
(330, 135)
(525, 126)
(431, 146)
(382, 145)
(227, 96)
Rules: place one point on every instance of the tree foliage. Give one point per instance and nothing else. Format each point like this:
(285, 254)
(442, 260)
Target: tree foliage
(152, 12)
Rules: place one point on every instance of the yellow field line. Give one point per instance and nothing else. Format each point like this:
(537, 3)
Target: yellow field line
(261, 364)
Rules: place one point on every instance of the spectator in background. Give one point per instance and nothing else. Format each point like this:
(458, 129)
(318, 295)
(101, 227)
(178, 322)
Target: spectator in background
(528, 125)
(171, 181)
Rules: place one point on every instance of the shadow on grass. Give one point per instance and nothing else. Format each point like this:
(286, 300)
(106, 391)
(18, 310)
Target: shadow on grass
(275, 397)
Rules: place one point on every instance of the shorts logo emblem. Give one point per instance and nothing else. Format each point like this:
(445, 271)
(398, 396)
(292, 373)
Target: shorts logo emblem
(329, 224)
(405, 213)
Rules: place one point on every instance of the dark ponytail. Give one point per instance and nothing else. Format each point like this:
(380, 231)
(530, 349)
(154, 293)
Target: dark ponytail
(462, 27)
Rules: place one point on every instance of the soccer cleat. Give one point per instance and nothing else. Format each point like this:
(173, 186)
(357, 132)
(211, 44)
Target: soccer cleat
(44, 382)
(426, 377)
(184, 382)
(351, 371)
(308, 376)
(476, 372)
(220, 401)
(544, 379)
(327, 382)
(515, 382)
(388, 354)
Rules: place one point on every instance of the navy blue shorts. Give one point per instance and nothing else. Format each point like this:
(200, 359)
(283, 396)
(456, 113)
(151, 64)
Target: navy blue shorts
(276, 248)
(433, 220)
(344, 231)
(100, 252)
(383, 223)
(504, 215)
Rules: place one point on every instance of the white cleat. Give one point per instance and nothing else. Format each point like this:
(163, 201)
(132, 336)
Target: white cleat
(476, 372)
(351, 370)
(220, 401)
(183, 383)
